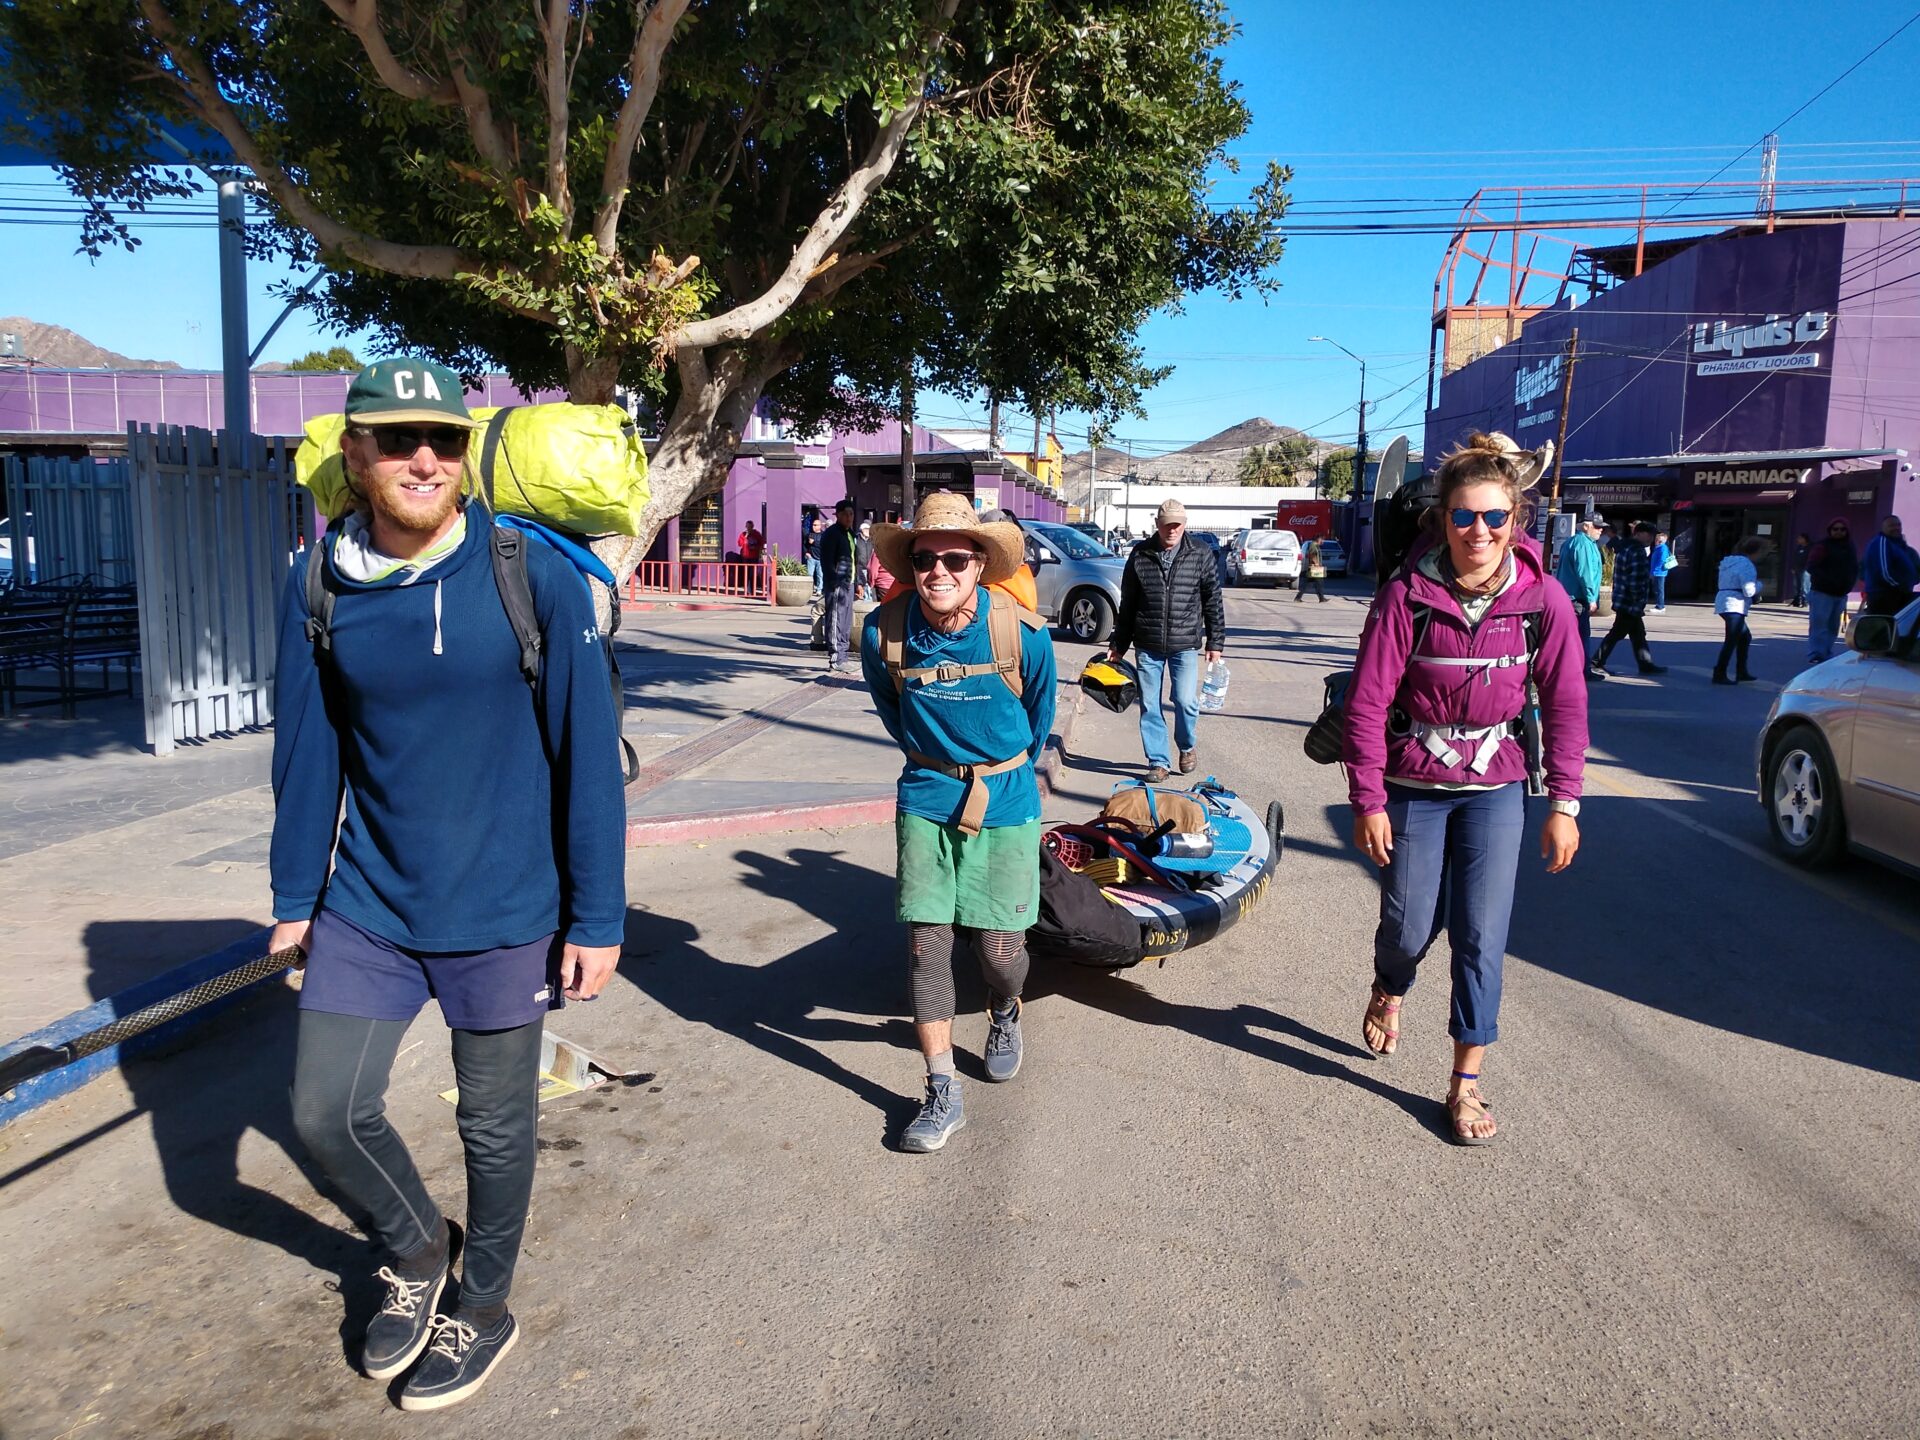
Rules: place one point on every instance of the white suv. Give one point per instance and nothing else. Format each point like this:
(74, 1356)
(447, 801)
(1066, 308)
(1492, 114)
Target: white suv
(1267, 555)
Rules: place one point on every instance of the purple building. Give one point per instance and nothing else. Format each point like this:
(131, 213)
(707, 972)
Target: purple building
(1756, 382)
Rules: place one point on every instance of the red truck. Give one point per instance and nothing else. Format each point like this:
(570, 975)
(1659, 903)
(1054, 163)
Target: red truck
(1308, 519)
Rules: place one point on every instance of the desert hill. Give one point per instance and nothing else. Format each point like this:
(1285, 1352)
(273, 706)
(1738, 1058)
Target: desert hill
(58, 346)
(1213, 461)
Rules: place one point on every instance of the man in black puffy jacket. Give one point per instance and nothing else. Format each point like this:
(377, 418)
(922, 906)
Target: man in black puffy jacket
(1170, 607)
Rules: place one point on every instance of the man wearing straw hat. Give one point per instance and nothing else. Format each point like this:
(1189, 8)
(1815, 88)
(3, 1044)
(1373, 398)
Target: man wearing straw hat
(963, 679)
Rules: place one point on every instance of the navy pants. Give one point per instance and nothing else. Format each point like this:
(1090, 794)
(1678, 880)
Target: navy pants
(1455, 855)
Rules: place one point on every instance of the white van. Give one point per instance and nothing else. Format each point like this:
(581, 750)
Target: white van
(1265, 555)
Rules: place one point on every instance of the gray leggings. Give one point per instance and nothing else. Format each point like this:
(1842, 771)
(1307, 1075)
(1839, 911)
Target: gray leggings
(339, 1107)
(935, 950)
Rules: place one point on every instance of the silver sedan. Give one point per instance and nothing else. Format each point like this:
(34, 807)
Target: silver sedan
(1838, 761)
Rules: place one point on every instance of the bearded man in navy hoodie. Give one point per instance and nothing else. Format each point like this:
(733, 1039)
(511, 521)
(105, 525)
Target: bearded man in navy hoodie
(443, 829)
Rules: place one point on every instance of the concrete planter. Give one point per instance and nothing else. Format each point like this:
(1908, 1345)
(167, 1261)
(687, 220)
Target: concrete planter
(795, 590)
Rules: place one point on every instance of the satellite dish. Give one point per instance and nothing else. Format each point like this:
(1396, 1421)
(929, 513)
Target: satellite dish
(1393, 469)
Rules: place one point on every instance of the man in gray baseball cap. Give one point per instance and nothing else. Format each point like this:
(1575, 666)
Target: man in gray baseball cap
(1170, 605)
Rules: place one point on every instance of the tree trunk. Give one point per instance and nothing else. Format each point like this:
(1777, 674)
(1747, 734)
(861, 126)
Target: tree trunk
(591, 381)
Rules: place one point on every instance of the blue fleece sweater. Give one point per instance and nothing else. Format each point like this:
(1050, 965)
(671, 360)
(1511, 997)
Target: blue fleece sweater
(972, 721)
(478, 812)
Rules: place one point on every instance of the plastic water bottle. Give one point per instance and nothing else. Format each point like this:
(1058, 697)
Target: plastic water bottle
(1213, 692)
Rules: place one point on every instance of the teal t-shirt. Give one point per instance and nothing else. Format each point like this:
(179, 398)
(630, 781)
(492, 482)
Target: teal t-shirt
(974, 721)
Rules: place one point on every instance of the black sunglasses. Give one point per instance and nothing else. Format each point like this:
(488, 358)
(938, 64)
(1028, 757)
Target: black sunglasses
(449, 442)
(1463, 518)
(955, 561)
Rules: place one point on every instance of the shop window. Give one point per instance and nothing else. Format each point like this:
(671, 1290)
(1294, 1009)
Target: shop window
(700, 537)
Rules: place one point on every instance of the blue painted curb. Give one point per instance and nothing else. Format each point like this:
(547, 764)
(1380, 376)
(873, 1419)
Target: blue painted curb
(31, 1094)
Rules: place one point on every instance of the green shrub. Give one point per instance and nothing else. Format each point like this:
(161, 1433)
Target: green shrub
(789, 565)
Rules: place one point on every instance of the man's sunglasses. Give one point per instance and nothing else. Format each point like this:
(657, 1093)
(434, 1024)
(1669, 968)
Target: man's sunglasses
(1463, 518)
(955, 561)
(449, 442)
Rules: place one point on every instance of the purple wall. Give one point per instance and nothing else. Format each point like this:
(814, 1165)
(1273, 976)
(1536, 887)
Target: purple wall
(1683, 359)
(46, 401)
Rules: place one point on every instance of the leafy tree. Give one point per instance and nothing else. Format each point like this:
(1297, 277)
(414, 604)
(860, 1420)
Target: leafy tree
(1278, 463)
(714, 203)
(1336, 472)
(338, 357)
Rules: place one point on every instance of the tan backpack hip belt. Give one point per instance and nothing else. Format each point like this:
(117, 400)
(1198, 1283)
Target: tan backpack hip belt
(974, 811)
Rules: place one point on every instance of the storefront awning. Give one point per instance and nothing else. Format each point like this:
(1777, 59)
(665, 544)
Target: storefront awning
(1741, 457)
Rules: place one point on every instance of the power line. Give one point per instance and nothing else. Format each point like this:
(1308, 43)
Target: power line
(1776, 129)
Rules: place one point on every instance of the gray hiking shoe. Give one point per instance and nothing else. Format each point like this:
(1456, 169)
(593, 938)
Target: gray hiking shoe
(940, 1115)
(401, 1330)
(1003, 1041)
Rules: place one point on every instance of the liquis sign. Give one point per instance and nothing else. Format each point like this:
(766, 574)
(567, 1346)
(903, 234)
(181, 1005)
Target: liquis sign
(1748, 347)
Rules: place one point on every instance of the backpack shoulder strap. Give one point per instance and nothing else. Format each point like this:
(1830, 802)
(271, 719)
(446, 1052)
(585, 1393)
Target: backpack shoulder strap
(509, 551)
(893, 638)
(319, 599)
(1003, 630)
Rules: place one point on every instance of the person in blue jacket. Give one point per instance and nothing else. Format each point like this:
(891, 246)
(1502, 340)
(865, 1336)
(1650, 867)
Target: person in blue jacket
(1889, 569)
(968, 820)
(1578, 572)
(442, 829)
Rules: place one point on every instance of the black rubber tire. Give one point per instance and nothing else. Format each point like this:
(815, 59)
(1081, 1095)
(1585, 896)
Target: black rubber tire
(1800, 778)
(1087, 615)
(1277, 827)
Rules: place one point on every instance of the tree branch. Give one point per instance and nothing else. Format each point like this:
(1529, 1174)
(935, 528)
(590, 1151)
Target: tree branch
(643, 83)
(555, 73)
(362, 17)
(832, 223)
(202, 94)
(840, 270)
(481, 127)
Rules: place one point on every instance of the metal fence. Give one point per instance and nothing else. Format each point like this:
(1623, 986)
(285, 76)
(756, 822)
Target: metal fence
(70, 522)
(703, 579)
(216, 536)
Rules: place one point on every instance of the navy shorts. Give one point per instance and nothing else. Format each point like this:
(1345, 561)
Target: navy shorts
(350, 972)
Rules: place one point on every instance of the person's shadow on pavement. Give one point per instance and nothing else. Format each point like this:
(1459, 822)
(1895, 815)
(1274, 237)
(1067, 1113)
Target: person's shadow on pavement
(859, 968)
(201, 1102)
(1237, 1026)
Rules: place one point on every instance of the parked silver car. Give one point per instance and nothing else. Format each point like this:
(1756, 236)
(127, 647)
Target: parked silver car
(1076, 577)
(1838, 761)
(1269, 555)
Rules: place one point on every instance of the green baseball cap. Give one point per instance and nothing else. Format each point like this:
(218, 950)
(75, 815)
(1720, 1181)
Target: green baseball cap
(408, 390)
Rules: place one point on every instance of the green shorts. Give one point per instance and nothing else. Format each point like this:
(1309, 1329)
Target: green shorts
(989, 881)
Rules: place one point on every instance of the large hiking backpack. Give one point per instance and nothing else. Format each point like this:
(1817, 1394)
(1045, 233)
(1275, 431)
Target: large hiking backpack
(508, 538)
(1004, 619)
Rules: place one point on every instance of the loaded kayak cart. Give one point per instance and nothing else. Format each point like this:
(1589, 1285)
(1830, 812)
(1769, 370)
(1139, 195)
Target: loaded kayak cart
(1113, 894)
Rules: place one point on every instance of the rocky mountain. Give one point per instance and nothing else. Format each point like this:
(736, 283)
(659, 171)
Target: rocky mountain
(58, 346)
(1213, 461)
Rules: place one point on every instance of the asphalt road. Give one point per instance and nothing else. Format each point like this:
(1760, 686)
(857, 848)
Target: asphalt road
(1200, 1210)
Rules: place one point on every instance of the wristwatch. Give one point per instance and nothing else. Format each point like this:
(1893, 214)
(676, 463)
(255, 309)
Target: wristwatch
(1568, 808)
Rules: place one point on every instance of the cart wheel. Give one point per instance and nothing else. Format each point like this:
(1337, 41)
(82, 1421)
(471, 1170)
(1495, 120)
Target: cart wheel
(1277, 827)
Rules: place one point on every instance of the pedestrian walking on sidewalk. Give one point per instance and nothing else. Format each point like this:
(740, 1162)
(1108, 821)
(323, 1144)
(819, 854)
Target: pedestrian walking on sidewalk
(1800, 549)
(1440, 751)
(1833, 569)
(1170, 610)
(964, 682)
(1579, 575)
(1890, 569)
(478, 859)
(1739, 584)
(1632, 588)
(1313, 571)
(840, 574)
(1660, 564)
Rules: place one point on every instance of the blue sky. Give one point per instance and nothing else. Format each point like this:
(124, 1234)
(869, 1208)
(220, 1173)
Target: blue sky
(1365, 101)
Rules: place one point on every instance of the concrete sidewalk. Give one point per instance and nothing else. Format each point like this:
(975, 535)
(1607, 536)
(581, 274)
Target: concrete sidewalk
(117, 866)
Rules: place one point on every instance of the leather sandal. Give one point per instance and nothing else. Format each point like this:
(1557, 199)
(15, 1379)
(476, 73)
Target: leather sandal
(1381, 1007)
(1467, 1107)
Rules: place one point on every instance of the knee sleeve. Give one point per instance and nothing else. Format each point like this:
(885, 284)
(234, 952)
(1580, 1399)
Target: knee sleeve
(930, 953)
(1003, 961)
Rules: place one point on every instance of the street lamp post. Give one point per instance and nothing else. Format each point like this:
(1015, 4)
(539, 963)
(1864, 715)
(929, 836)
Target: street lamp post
(1360, 450)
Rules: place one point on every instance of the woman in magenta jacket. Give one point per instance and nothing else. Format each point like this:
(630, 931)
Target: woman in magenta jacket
(1437, 761)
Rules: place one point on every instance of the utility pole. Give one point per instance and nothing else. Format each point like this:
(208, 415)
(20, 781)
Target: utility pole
(993, 424)
(1566, 396)
(906, 444)
(1769, 167)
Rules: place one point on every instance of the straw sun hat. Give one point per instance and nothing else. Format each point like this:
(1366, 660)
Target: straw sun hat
(945, 513)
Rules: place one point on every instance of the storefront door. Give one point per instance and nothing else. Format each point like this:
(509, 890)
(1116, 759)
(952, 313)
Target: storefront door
(1718, 534)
